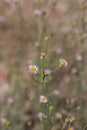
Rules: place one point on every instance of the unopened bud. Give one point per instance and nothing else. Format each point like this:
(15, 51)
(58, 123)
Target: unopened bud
(46, 38)
(43, 54)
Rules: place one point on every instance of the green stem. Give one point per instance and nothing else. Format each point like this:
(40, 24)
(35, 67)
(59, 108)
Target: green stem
(43, 90)
(55, 69)
(36, 80)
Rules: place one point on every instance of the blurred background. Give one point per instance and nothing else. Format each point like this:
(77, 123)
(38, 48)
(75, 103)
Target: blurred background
(24, 24)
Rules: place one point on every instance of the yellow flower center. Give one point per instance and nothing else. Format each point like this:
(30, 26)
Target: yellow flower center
(63, 62)
(43, 99)
(32, 69)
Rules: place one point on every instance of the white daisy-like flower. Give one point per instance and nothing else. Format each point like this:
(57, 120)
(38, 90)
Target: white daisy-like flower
(63, 62)
(43, 99)
(32, 69)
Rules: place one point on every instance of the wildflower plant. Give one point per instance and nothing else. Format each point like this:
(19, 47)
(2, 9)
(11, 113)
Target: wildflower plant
(40, 74)
(67, 26)
(32, 69)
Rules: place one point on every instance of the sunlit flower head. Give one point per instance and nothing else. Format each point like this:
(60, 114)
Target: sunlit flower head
(43, 99)
(63, 62)
(70, 128)
(32, 69)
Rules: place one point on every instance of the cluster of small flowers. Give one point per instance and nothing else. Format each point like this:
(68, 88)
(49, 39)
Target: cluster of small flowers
(33, 69)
